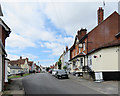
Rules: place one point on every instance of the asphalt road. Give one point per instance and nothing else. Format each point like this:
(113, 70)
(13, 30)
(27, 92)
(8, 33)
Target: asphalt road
(45, 83)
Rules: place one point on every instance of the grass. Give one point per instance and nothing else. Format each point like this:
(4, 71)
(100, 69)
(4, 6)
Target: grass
(18, 76)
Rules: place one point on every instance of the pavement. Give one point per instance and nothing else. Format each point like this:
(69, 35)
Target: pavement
(15, 87)
(1, 93)
(105, 87)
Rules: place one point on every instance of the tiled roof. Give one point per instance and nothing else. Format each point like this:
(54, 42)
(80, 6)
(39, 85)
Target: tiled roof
(30, 63)
(110, 44)
(19, 62)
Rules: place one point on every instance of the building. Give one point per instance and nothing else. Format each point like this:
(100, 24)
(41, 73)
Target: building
(4, 33)
(78, 52)
(56, 65)
(23, 63)
(15, 69)
(104, 47)
(31, 66)
(66, 59)
(6, 69)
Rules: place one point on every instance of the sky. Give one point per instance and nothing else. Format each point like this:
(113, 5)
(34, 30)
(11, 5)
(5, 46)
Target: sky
(41, 30)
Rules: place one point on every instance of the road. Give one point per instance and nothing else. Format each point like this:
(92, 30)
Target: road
(45, 83)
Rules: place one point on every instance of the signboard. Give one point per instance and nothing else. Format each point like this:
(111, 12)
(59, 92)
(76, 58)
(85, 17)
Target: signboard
(98, 76)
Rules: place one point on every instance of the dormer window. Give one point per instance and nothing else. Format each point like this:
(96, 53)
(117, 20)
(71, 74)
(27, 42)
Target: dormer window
(83, 46)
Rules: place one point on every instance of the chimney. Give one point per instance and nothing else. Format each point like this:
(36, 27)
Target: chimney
(27, 59)
(81, 33)
(66, 48)
(100, 15)
(20, 57)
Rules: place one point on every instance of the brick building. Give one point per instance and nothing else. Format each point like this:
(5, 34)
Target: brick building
(4, 33)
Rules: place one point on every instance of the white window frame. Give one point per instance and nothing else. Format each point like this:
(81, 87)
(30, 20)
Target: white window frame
(73, 54)
(79, 49)
(83, 46)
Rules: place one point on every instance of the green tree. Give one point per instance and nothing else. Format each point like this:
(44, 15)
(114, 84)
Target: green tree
(65, 67)
(59, 64)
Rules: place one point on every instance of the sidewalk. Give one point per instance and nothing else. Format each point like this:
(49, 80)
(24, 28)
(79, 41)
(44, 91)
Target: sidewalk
(15, 87)
(1, 93)
(106, 87)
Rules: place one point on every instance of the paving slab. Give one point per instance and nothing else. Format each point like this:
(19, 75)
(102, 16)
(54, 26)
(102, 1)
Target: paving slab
(15, 87)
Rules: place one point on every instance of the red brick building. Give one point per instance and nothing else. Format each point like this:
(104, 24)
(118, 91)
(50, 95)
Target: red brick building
(93, 51)
(4, 33)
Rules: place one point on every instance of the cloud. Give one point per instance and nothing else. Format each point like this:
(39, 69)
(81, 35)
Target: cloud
(13, 57)
(17, 41)
(16, 56)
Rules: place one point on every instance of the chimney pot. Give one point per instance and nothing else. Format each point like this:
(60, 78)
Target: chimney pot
(20, 57)
(66, 48)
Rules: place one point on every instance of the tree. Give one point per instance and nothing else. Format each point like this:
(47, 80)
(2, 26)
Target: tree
(65, 67)
(47, 69)
(59, 64)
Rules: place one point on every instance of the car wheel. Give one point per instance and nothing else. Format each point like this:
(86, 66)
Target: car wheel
(58, 77)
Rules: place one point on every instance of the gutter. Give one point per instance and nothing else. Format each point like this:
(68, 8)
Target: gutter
(3, 48)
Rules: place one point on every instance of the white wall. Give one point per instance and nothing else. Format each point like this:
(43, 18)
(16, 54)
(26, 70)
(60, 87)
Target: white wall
(6, 70)
(108, 60)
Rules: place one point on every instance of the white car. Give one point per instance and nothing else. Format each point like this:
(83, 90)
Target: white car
(54, 72)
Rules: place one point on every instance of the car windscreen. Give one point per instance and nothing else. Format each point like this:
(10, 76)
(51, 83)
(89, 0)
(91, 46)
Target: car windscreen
(62, 72)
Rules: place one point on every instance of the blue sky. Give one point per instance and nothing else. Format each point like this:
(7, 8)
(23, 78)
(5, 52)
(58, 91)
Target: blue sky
(41, 30)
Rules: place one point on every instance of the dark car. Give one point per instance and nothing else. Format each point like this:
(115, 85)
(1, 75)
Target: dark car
(61, 74)
(77, 73)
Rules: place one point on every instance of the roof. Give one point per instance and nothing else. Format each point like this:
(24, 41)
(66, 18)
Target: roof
(15, 67)
(104, 34)
(19, 61)
(2, 23)
(107, 45)
(30, 63)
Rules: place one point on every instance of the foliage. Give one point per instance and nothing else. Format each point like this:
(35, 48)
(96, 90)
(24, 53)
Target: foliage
(47, 69)
(65, 67)
(59, 64)
(18, 76)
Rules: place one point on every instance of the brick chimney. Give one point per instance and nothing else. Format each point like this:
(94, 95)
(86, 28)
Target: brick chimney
(100, 13)
(81, 33)
(20, 57)
(66, 48)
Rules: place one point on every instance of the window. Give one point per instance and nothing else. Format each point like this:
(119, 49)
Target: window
(79, 50)
(81, 61)
(83, 46)
(72, 53)
(13, 71)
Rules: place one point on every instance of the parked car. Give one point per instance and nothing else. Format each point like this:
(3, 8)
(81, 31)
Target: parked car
(50, 71)
(9, 74)
(77, 73)
(61, 74)
(54, 71)
(20, 73)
